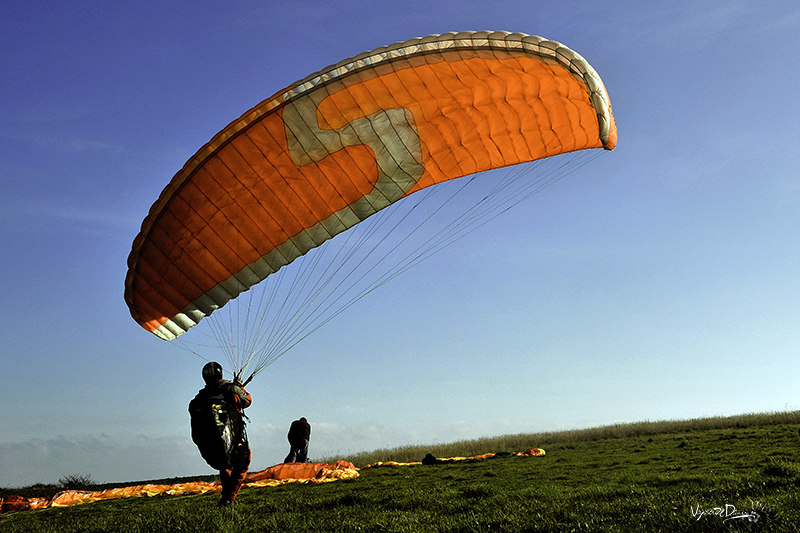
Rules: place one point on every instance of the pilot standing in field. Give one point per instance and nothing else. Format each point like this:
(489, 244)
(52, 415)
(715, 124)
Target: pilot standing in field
(233, 472)
(299, 435)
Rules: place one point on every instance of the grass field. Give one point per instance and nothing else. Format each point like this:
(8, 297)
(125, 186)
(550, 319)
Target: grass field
(715, 474)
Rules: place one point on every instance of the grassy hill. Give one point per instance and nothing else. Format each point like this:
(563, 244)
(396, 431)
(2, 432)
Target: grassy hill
(714, 474)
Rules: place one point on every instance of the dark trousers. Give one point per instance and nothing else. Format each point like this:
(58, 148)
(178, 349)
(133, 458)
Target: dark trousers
(298, 452)
(232, 478)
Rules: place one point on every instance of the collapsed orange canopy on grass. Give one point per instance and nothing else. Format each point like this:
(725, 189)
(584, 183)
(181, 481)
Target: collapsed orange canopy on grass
(280, 474)
(340, 145)
(277, 475)
(530, 452)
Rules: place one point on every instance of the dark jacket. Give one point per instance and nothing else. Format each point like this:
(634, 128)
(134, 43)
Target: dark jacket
(235, 394)
(299, 430)
(236, 398)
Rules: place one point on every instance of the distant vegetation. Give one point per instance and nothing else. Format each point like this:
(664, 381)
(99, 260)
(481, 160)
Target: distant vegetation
(76, 481)
(520, 442)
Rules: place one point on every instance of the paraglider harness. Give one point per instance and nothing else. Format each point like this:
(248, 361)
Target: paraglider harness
(218, 426)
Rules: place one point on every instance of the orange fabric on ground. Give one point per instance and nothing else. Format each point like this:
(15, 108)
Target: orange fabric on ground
(276, 475)
(273, 476)
(298, 471)
(530, 452)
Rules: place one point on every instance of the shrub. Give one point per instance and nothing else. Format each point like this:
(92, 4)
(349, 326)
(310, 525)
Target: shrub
(76, 481)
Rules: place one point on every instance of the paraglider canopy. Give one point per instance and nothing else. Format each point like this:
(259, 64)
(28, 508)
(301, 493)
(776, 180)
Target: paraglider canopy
(331, 150)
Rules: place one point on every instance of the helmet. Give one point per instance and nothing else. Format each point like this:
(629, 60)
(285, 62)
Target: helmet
(212, 372)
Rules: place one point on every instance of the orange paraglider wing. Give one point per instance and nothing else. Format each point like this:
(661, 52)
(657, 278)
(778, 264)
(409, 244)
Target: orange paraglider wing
(280, 474)
(342, 144)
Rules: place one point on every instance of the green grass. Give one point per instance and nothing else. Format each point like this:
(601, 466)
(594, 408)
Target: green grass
(631, 477)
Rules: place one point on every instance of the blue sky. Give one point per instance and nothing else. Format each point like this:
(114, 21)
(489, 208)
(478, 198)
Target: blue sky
(658, 282)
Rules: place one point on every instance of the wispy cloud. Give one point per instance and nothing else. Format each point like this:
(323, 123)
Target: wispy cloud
(21, 215)
(104, 458)
(62, 144)
(673, 26)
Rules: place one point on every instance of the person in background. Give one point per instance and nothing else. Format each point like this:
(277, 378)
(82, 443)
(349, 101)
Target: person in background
(299, 435)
